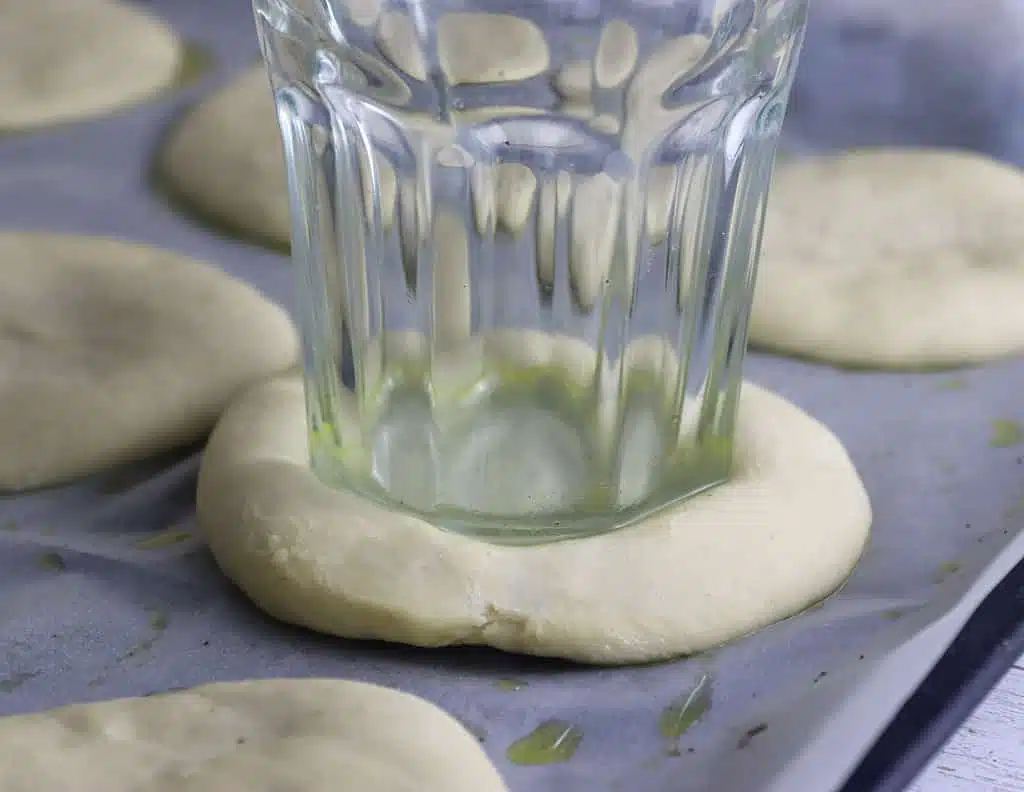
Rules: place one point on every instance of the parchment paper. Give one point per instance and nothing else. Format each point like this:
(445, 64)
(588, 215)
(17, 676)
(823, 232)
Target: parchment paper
(106, 591)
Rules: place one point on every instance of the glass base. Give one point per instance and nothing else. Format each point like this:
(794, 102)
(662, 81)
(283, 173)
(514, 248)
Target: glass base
(518, 457)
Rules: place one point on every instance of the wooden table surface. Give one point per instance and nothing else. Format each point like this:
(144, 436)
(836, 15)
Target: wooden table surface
(987, 754)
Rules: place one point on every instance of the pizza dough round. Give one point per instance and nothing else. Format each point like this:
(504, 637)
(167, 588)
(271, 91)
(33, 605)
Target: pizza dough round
(62, 61)
(111, 351)
(893, 258)
(782, 534)
(257, 736)
(225, 159)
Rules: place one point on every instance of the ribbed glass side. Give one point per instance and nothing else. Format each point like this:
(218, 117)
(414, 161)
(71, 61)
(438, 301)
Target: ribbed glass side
(527, 242)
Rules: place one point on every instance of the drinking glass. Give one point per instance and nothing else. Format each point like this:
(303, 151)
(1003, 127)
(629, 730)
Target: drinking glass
(526, 235)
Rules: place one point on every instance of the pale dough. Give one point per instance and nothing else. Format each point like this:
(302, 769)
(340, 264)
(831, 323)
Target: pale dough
(490, 48)
(781, 535)
(616, 54)
(893, 258)
(111, 351)
(225, 159)
(286, 735)
(62, 61)
(472, 47)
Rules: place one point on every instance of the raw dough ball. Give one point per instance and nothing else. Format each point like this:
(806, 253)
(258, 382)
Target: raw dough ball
(893, 258)
(62, 61)
(257, 736)
(782, 534)
(226, 159)
(111, 351)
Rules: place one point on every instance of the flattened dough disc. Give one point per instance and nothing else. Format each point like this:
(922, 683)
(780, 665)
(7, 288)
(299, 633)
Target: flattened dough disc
(111, 351)
(304, 735)
(225, 159)
(63, 61)
(781, 535)
(893, 258)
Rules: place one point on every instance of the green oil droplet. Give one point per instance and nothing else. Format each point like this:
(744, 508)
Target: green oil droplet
(677, 718)
(509, 685)
(1005, 433)
(953, 384)
(52, 561)
(947, 569)
(892, 615)
(9, 526)
(552, 742)
(162, 540)
(158, 622)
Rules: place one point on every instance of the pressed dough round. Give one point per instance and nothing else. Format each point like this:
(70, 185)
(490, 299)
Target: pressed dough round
(782, 534)
(893, 258)
(303, 735)
(226, 160)
(61, 61)
(110, 351)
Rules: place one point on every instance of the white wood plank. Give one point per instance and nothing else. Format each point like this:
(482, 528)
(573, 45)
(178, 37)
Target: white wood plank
(987, 754)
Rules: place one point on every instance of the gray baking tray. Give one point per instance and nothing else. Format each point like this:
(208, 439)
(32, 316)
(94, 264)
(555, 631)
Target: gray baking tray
(106, 591)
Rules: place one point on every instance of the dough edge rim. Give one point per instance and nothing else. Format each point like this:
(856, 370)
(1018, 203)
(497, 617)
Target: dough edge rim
(237, 534)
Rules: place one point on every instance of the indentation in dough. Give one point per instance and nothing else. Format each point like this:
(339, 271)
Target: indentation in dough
(891, 258)
(490, 48)
(616, 54)
(782, 533)
(399, 43)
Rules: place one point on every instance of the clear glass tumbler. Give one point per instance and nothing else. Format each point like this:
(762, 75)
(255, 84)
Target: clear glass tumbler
(526, 234)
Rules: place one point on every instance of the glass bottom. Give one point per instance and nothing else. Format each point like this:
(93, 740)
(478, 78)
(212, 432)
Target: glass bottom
(517, 456)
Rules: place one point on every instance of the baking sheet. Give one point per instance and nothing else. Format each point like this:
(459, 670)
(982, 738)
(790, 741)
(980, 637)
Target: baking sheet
(106, 591)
